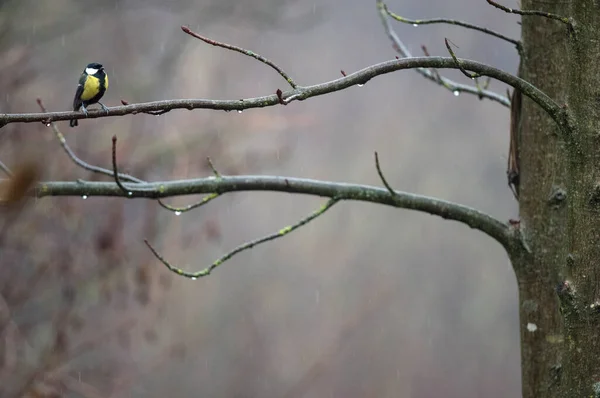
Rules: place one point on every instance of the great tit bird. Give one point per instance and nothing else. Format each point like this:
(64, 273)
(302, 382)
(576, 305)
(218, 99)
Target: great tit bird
(92, 85)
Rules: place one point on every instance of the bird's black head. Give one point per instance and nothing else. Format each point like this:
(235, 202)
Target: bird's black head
(93, 68)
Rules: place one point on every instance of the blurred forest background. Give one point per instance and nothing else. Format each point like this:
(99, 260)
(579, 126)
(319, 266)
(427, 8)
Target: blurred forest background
(366, 301)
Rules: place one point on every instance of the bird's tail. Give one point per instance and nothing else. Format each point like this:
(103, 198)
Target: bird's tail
(73, 122)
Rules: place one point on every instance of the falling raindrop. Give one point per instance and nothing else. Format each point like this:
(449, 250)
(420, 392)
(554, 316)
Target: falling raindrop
(239, 111)
(47, 124)
(84, 197)
(415, 25)
(177, 213)
(456, 93)
(129, 193)
(360, 84)
(193, 278)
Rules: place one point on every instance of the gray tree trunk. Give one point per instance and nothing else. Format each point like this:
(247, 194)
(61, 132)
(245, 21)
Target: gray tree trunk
(559, 280)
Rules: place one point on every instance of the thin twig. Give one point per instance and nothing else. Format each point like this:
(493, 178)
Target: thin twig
(246, 246)
(179, 210)
(460, 67)
(5, 169)
(454, 87)
(128, 192)
(434, 71)
(213, 168)
(249, 53)
(202, 202)
(565, 20)
(455, 22)
(78, 161)
(382, 177)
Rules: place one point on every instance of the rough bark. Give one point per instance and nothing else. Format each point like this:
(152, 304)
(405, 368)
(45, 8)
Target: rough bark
(559, 206)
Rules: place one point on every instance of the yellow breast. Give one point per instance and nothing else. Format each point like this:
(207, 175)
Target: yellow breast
(91, 87)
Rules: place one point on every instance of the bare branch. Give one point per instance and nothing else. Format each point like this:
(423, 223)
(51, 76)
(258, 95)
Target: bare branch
(342, 191)
(213, 168)
(78, 161)
(431, 74)
(467, 74)
(455, 22)
(242, 51)
(382, 177)
(246, 246)
(303, 93)
(127, 192)
(179, 210)
(565, 20)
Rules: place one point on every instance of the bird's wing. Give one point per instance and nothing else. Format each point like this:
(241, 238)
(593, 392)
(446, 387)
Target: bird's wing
(77, 99)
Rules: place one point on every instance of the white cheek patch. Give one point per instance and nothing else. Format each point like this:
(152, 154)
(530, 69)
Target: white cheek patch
(91, 71)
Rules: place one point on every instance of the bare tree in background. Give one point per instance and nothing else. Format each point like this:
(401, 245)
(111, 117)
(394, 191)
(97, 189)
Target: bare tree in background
(553, 170)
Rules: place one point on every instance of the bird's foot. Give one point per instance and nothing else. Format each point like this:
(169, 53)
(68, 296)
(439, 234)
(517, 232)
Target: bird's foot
(104, 108)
